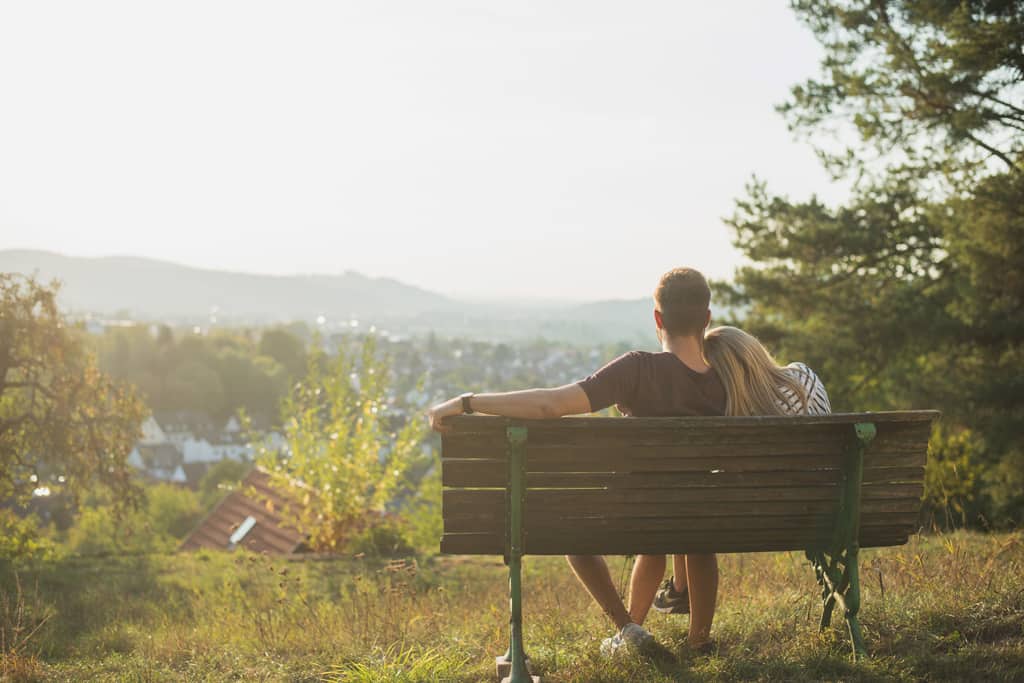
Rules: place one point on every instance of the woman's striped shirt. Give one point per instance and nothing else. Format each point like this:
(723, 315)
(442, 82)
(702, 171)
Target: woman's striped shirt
(817, 397)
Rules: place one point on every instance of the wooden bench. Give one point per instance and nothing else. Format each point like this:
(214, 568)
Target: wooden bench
(824, 485)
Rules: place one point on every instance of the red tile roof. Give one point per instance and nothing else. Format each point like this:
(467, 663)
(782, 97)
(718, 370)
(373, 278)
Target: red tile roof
(254, 498)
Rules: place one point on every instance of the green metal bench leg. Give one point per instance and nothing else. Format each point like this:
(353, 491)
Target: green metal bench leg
(518, 672)
(514, 548)
(852, 601)
(843, 588)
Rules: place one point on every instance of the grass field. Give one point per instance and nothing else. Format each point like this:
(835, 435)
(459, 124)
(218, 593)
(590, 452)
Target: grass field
(947, 607)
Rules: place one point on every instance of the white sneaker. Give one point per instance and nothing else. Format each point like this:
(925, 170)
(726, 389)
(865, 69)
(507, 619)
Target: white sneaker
(632, 636)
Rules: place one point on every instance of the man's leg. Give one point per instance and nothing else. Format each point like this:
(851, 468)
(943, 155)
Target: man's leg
(679, 573)
(702, 579)
(592, 571)
(648, 571)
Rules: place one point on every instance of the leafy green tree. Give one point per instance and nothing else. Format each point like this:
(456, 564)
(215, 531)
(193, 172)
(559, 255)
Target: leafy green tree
(215, 375)
(194, 385)
(347, 460)
(64, 425)
(254, 383)
(912, 293)
(285, 348)
(931, 87)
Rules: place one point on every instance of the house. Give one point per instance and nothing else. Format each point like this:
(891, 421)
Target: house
(156, 455)
(178, 476)
(152, 434)
(135, 459)
(162, 461)
(201, 450)
(178, 435)
(233, 451)
(232, 429)
(183, 425)
(251, 517)
(174, 452)
(198, 450)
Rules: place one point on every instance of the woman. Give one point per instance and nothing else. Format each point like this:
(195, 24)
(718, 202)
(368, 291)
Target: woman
(754, 385)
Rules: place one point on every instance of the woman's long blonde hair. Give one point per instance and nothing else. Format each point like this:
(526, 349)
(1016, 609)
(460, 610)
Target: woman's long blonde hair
(754, 382)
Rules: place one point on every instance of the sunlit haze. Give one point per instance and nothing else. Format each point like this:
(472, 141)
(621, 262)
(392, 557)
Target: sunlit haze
(567, 150)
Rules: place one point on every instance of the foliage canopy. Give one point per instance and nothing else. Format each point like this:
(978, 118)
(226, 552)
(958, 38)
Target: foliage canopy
(933, 86)
(64, 425)
(911, 294)
(202, 376)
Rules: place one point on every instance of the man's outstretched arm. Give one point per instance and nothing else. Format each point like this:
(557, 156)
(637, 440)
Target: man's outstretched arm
(531, 404)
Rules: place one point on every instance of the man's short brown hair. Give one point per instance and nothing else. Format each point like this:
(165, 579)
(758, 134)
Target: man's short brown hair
(683, 297)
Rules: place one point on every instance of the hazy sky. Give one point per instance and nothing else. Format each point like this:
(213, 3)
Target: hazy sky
(515, 149)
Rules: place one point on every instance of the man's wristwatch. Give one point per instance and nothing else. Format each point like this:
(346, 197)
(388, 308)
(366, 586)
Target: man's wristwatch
(467, 407)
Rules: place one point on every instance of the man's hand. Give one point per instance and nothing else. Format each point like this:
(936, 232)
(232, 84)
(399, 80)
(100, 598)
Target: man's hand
(452, 406)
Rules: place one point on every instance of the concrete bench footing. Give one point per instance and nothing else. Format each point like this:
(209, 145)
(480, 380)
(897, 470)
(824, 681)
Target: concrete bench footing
(503, 666)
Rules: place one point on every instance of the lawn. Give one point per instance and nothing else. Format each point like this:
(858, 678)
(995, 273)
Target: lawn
(943, 607)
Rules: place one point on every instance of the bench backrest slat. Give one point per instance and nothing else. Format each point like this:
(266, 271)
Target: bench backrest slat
(680, 484)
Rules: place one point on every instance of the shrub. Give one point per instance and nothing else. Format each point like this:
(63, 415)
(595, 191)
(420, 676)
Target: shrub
(20, 537)
(347, 458)
(386, 538)
(953, 478)
(166, 516)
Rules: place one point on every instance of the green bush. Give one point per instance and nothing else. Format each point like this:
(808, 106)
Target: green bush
(171, 510)
(953, 479)
(1004, 486)
(388, 538)
(348, 460)
(158, 525)
(20, 537)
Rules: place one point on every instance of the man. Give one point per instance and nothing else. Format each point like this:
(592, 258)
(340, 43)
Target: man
(676, 382)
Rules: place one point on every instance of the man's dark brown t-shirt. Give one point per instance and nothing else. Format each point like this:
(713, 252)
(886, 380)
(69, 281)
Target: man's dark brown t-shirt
(643, 384)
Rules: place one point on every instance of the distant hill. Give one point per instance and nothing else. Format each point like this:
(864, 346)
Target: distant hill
(148, 288)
